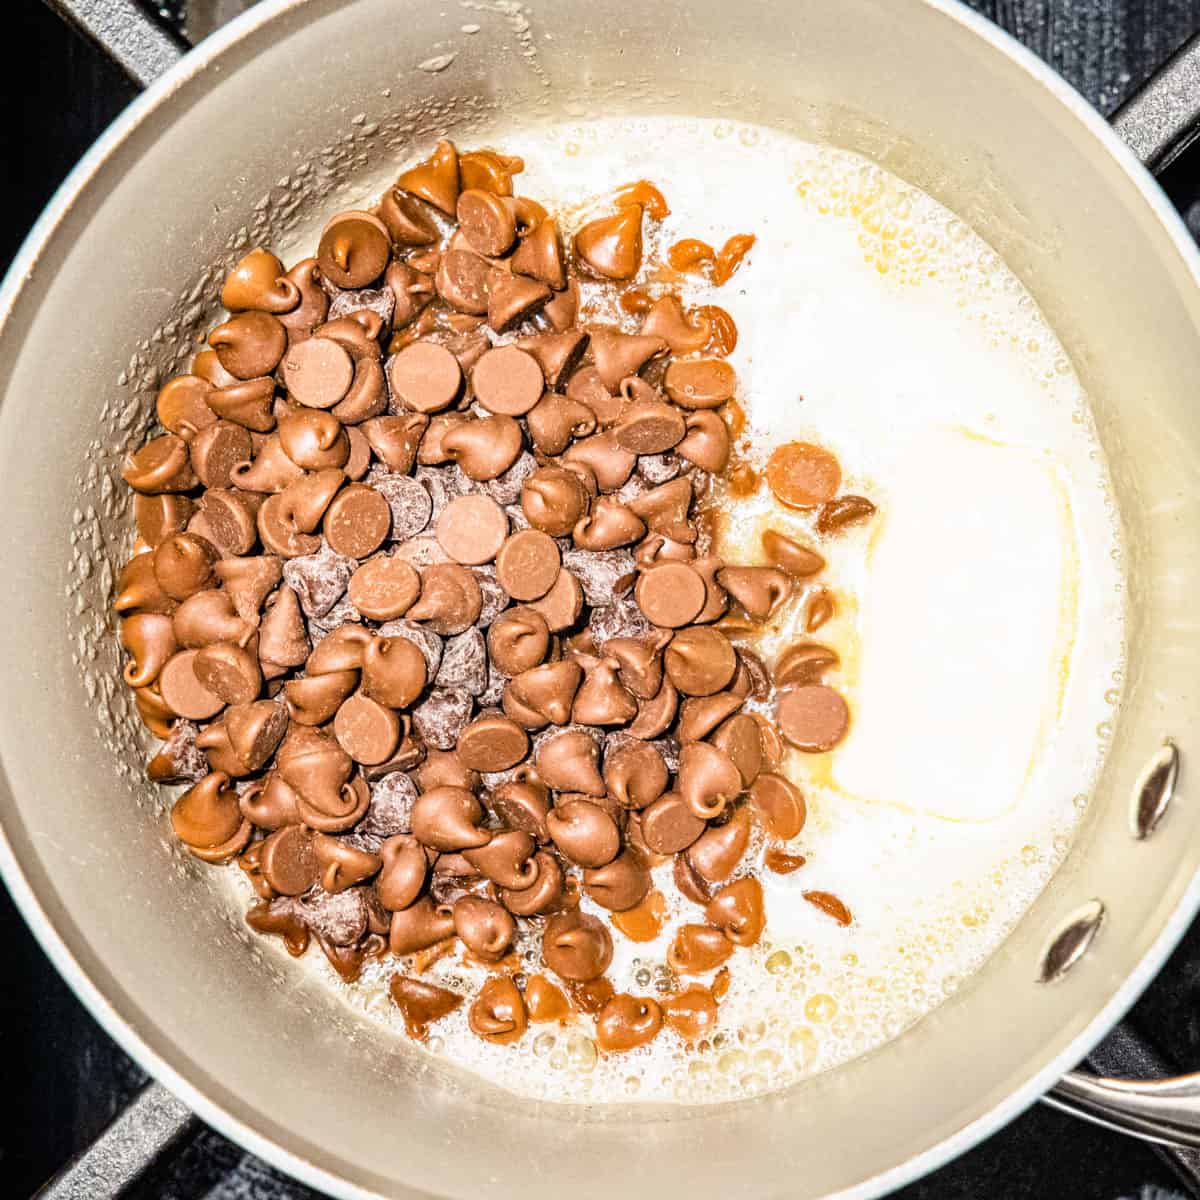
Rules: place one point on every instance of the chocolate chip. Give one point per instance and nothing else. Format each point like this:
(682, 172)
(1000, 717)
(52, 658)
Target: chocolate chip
(472, 529)
(390, 810)
(384, 588)
(354, 249)
(442, 716)
(603, 574)
(814, 718)
(424, 639)
(425, 377)
(357, 521)
(319, 580)
(409, 501)
(507, 380)
(341, 918)
(318, 372)
(464, 663)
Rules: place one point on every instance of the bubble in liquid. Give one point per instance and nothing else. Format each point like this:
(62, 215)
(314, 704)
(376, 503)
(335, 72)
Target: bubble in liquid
(820, 1008)
(766, 1060)
(543, 1044)
(802, 1046)
(581, 1052)
(779, 963)
(733, 1062)
(752, 1033)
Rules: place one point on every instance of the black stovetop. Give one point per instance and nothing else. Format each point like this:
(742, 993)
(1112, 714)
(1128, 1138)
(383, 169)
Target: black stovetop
(65, 1079)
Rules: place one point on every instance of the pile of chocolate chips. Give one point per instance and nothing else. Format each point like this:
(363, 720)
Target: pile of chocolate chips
(425, 606)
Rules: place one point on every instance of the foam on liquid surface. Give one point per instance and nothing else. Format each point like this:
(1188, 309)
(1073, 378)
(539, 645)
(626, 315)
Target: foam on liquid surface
(979, 613)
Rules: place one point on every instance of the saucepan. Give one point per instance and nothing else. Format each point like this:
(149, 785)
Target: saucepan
(302, 103)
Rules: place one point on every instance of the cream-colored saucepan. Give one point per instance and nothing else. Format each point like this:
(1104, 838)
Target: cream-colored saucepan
(260, 126)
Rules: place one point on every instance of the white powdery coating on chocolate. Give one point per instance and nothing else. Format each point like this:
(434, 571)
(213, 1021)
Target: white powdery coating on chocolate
(319, 580)
(340, 919)
(603, 574)
(494, 598)
(188, 761)
(390, 810)
(425, 640)
(622, 618)
(464, 663)
(442, 716)
(441, 486)
(377, 300)
(505, 488)
(409, 501)
(659, 468)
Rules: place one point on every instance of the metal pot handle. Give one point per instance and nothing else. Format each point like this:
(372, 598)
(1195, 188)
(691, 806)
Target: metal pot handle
(147, 1132)
(1162, 119)
(141, 47)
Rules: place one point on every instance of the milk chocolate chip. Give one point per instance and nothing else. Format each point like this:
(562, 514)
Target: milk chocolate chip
(702, 383)
(576, 946)
(492, 743)
(619, 885)
(507, 381)
(669, 825)
(249, 345)
(484, 926)
(425, 377)
(796, 559)
(671, 594)
(691, 1013)
(393, 671)
(486, 222)
(498, 1013)
(584, 833)
(354, 249)
(318, 372)
(403, 871)
(737, 910)
(422, 1003)
(719, 849)
(635, 774)
(779, 805)
(813, 718)
(436, 179)
(447, 818)
(611, 247)
(802, 475)
(450, 599)
(289, 861)
(540, 255)
(627, 1022)
(517, 640)
(384, 588)
(258, 281)
(700, 661)
(472, 529)
(568, 762)
(698, 949)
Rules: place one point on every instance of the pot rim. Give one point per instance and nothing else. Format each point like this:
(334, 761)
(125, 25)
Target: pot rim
(53, 943)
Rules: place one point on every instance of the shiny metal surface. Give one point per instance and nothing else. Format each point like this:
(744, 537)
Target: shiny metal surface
(1071, 941)
(230, 149)
(154, 1125)
(1163, 119)
(1166, 1111)
(142, 49)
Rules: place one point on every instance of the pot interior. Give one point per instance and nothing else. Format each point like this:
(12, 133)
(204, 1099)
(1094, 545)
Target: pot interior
(312, 110)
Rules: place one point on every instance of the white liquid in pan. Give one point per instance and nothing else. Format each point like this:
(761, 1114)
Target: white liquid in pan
(980, 612)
